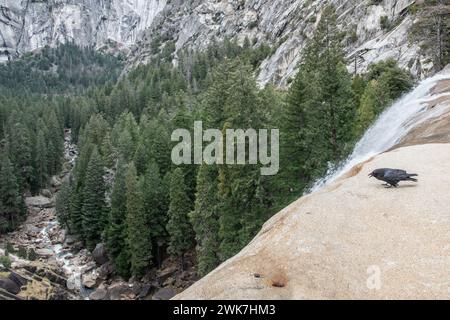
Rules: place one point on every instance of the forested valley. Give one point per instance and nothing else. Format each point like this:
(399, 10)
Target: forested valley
(122, 123)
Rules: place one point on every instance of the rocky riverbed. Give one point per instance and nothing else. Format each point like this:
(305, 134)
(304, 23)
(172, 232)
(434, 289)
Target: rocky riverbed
(47, 263)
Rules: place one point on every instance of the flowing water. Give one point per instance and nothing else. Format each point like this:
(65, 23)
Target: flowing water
(70, 262)
(390, 127)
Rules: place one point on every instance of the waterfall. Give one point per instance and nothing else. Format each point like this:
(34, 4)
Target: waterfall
(390, 127)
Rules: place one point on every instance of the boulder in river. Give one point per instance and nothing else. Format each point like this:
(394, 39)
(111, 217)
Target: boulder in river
(45, 253)
(46, 193)
(99, 254)
(31, 230)
(39, 202)
(106, 270)
(55, 182)
(90, 280)
(100, 294)
(119, 290)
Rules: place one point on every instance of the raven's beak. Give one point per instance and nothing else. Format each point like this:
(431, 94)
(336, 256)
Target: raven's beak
(371, 175)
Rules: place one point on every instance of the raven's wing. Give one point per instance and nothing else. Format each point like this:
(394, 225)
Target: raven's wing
(394, 175)
(395, 172)
(392, 182)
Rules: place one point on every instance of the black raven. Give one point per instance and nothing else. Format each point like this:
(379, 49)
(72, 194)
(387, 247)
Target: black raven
(393, 176)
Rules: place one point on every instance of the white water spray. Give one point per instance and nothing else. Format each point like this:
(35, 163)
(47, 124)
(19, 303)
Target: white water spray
(390, 127)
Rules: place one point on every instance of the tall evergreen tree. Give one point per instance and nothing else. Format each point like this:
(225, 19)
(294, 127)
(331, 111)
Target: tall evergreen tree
(55, 143)
(178, 226)
(205, 219)
(94, 206)
(321, 107)
(156, 203)
(41, 159)
(139, 240)
(20, 148)
(62, 205)
(116, 231)
(12, 208)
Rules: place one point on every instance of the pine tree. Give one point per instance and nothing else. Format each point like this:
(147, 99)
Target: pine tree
(62, 205)
(20, 149)
(156, 203)
(371, 105)
(139, 240)
(12, 208)
(178, 226)
(334, 106)
(116, 231)
(77, 195)
(55, 143)
(205, 219)
(140, 157)
(295, 138)
(107, 151)
(41, 160)
(94, 206)
(322, 104)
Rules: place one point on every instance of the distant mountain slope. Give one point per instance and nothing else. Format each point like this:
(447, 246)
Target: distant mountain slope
(373, 30)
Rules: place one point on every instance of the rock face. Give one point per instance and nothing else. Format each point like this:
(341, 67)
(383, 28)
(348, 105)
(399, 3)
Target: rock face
(138, 27)
(27, 25)
(354, 239)
(99, 254)
(287, 25)
(39, 202)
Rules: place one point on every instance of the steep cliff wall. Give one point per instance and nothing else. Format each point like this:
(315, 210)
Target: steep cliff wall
(27, 25)
(287, 24)
(133, 26)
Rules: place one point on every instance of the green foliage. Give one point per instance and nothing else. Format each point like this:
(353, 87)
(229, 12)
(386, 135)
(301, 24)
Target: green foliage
(205, 219)
(94, 207)
(156, 207)
(386, 82)
(9, 249)
(156, 203)
(178, 226)
(139, 237)
(318, 122)
(5, 261)
(116, 231)
(12, 208)
(22, 252)
(62, 205)
(67, 67)
(385, 23)
(31, 255)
